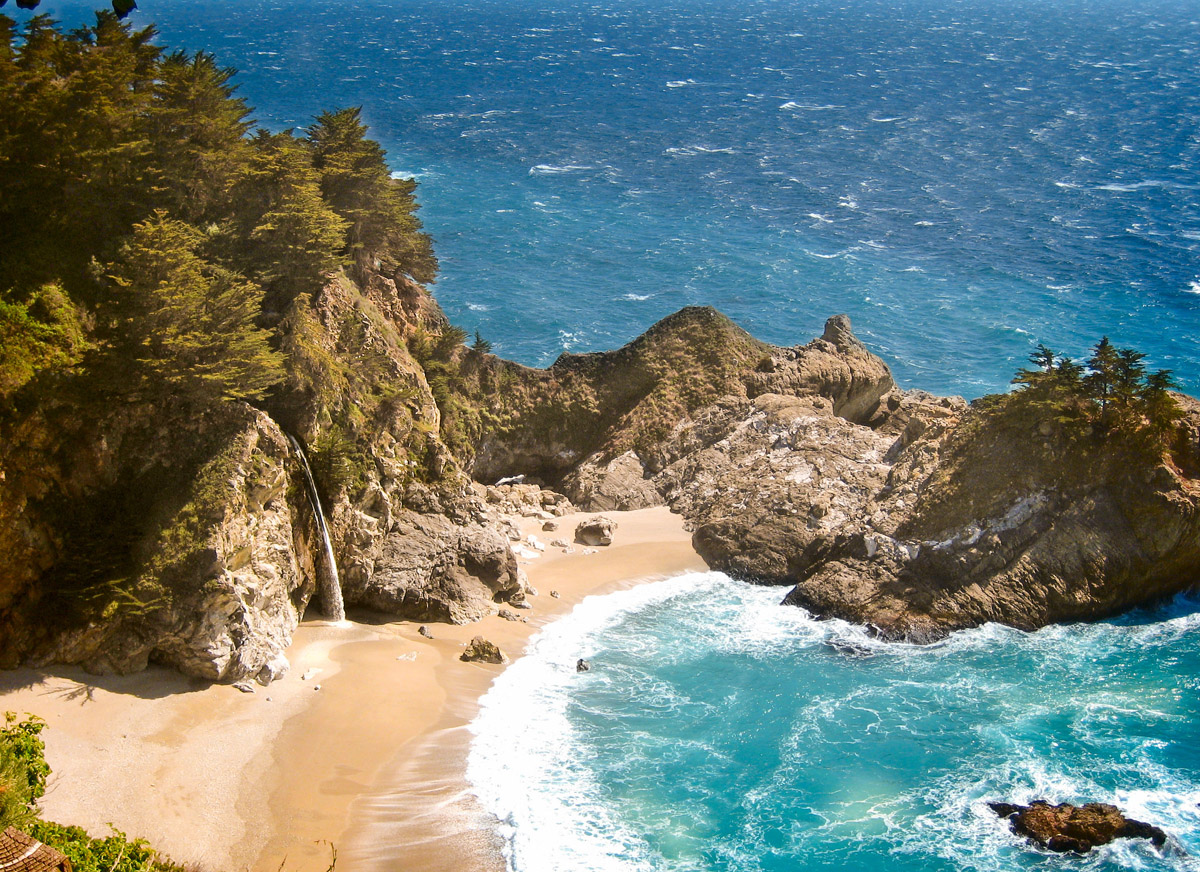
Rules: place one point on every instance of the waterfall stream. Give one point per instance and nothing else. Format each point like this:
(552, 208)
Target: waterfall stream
(330, 591)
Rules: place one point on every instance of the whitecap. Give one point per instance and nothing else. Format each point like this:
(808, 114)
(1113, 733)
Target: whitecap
(1131, 186)
(636, 297)
(808, 107)
(693, 150)
(553, 169)
(1193, 287)
(682, 83)
(477, 307)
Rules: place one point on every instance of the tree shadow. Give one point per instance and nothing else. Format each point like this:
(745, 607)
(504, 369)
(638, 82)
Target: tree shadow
(73, 684)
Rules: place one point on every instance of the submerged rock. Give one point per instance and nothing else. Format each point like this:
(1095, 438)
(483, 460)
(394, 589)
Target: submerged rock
(1066, 827)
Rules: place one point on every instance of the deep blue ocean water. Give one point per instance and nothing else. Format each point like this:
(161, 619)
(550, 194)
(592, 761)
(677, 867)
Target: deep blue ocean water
(965, 180)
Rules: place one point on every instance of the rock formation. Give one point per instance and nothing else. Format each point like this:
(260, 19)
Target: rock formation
(595, 531)
(913, 513)
(480, 650)
(1066, 827)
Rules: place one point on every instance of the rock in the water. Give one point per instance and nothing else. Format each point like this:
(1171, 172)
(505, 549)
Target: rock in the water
(1066, 827)
(424, 631)
(480, 650)
(597, 531)
(583, 666)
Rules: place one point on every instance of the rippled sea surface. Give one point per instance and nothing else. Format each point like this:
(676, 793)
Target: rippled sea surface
(718, 730)
(963, 179)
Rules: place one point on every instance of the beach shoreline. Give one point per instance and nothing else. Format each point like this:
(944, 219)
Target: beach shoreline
(358, 753)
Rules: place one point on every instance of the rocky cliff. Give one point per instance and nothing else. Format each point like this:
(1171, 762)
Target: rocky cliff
(131, 534)
(913, 513)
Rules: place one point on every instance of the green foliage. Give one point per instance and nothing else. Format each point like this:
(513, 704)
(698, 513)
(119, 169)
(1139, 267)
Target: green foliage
(131, 186)
(196, 129)
(355, 180)
(296, 239)
(43, 333)
(338, 463)
(481, 345)
(115, 853)
(75, 151)
(23, 769)
(1112, 394)
(187, 324)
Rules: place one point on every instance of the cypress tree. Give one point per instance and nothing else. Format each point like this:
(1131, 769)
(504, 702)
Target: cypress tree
(185, 326)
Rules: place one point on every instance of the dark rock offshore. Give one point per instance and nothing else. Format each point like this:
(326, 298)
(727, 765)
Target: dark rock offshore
(1066, 827)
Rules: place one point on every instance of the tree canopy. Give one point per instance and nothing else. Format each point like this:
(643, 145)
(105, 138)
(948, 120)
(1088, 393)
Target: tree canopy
(151, 233)
(1111, 392)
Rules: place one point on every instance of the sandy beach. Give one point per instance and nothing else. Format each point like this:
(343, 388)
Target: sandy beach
(360, 749)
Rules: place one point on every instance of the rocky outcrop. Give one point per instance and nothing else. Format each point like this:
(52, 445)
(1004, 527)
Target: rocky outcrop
(1066, 827)
(214, 586)
(184, 536)
(425, 567)
(912, 513)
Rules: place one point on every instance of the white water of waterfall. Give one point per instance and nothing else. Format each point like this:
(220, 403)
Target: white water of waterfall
(331, 591)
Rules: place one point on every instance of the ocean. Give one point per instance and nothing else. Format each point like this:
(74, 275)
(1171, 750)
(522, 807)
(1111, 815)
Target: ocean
(718, 730)
(965, 180)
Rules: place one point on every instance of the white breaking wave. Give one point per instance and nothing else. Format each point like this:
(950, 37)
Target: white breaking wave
(553, 169)
(523, 763)
(693, 150)
(792, 105)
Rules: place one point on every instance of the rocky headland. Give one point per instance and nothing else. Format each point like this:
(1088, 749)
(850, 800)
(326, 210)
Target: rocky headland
(131, 537)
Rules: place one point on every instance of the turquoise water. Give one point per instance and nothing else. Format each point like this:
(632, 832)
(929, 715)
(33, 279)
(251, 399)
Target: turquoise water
(720, 731)
(963, 179)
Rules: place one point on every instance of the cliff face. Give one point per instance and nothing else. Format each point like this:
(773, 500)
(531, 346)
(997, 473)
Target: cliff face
(135, 534)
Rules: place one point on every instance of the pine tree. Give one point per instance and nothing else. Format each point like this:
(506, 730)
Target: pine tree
(186, 326)
(381, 210)
(1103, 374)
(297, 237)
(197, 128)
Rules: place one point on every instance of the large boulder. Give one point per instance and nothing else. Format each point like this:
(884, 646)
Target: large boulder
(480, 650)
(596, 531)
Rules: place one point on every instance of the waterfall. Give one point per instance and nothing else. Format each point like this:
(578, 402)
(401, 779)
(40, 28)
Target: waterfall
(331, 591)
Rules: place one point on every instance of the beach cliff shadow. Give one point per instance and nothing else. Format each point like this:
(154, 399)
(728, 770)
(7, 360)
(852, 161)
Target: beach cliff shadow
(74, 684)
